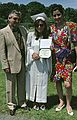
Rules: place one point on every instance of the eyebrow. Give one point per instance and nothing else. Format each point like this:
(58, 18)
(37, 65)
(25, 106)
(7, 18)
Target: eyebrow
(56, 14)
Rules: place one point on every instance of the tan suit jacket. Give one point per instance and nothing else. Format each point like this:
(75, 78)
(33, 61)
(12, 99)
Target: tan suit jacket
(10, 54)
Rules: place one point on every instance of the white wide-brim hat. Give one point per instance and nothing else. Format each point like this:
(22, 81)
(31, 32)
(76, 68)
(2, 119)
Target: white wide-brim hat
(41, 16)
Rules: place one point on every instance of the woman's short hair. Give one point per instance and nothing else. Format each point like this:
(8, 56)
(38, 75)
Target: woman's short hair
(57, 7)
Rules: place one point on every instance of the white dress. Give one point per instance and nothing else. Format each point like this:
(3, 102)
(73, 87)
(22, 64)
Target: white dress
(37, 72)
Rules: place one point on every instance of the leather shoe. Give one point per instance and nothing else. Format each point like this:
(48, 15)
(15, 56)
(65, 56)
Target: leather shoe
(12, 112)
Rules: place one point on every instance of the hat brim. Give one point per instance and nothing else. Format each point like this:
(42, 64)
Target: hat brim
(41, 16)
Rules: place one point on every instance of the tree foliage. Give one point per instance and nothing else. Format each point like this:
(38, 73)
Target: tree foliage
(31, 9)
(71, 14)
(35, 8)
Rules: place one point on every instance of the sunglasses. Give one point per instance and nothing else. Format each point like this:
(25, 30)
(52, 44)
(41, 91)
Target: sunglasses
(16, 18)
(41, 25)
(56, 15)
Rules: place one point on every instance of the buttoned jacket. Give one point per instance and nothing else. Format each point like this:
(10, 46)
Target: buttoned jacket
(10, 54)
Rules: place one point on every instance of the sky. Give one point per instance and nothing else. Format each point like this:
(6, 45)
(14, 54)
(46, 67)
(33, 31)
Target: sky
(65, 3)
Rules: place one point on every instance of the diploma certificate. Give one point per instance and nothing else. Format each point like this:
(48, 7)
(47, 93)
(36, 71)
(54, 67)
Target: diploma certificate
(45, 51)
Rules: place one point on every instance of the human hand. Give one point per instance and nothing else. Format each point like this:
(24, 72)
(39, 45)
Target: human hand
(7, 70)
(35, 56)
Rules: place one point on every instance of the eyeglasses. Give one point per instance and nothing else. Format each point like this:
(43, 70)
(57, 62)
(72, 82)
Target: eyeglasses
(56, 15)
(41, 25)
(15, 18)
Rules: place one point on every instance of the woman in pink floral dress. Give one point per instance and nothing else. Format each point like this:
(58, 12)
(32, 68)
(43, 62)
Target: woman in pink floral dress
(63, 35)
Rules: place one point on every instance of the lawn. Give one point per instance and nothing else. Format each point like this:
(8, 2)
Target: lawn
(49, 113)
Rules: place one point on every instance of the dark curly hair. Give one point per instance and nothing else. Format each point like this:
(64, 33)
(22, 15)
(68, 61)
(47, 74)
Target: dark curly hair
(57, 7)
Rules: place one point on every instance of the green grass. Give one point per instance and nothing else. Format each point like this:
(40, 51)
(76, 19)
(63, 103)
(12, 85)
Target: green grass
(48, 114)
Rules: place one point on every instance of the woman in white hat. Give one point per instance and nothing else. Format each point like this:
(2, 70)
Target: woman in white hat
(37, 74)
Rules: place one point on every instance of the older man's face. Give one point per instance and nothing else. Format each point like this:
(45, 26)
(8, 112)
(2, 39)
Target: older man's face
(14, 20)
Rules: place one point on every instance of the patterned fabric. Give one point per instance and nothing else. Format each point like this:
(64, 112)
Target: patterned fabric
(62, 40)
(62, 53)
(19, 39)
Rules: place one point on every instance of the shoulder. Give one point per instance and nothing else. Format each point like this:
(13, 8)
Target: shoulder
(4, 29)
(71, 25)
(21, 27)
(30, 36)
(30, 33)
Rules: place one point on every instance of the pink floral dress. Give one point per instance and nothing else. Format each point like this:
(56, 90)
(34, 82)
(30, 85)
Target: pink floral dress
(62, 40)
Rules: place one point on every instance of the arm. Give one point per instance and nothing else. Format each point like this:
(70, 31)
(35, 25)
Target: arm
(31, 55)
(76, 54)
(3, 52)
(75, 68)
(74, 40)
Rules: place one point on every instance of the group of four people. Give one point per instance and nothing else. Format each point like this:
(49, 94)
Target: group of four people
(20, 48)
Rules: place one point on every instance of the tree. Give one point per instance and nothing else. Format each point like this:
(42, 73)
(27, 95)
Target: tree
(71, 14)
(3, 23)
(35, 8)
(6, 8)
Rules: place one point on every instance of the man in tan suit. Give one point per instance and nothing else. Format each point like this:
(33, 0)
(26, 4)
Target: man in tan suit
(12, 55)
